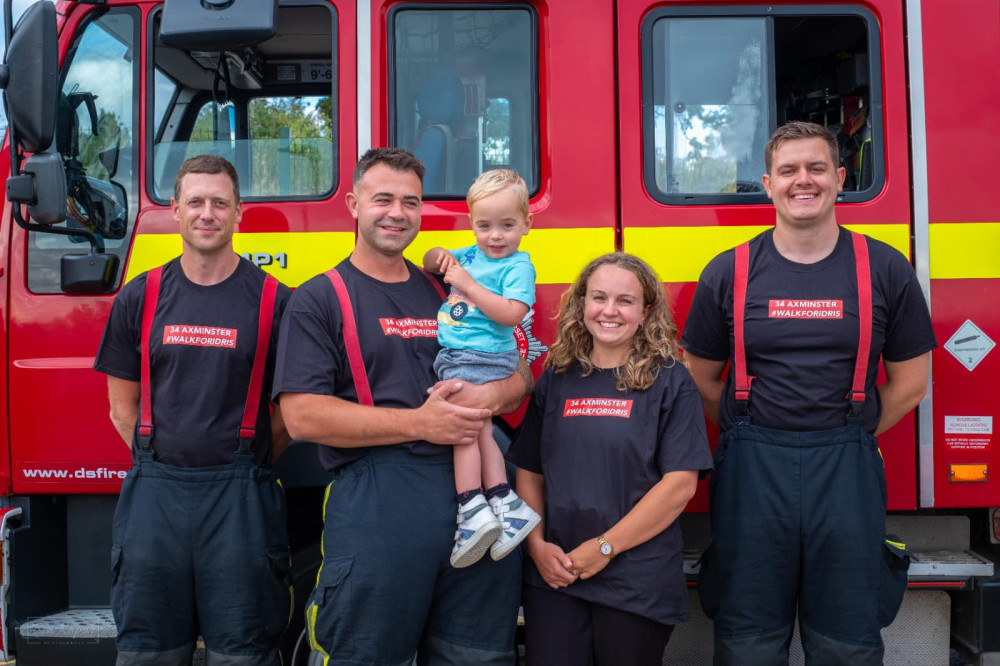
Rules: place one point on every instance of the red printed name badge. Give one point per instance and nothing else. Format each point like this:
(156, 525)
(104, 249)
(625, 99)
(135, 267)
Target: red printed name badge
(199, 336)
(805, 309)
(598, 407)
(409, 328)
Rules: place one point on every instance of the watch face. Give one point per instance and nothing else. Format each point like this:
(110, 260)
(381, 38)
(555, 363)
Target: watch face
(605, 548)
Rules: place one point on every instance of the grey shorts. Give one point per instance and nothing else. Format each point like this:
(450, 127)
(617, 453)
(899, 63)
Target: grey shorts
(475, 366)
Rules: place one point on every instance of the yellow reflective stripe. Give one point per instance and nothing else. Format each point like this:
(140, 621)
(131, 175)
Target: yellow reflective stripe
(897, 544)
(312, 609)
(964, 250)
(307, 253)
(326, 498)
(558, 254)
(322, 552)
(311, 632)
(678, 254)
(896, 235)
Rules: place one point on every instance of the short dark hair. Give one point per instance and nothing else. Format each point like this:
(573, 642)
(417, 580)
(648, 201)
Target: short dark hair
(210, 164)
(798, 129)
(394, 158)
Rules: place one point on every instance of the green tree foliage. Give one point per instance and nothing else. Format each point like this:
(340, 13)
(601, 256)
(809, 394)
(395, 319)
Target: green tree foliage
(290, 143)
(111, 133)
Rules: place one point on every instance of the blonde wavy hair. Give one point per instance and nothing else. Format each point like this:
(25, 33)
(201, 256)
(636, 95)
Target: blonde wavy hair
(492, 181)
(652, 345)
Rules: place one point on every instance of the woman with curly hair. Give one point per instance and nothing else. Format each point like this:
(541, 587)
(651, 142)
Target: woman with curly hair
(609, 453)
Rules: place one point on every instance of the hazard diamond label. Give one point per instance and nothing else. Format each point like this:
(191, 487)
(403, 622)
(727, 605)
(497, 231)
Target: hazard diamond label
(969, 345)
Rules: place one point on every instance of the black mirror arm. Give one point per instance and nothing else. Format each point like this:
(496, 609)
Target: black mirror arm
(96, 242)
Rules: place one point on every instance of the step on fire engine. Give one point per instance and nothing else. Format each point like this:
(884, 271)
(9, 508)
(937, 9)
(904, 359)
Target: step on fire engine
(637, 124)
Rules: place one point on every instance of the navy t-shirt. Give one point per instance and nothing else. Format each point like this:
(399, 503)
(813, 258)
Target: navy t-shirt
(600, 451)
(397, 327)
(202, 345)
(802, 330)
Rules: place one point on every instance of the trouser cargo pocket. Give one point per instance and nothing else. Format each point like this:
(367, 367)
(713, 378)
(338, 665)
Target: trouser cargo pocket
(328, 609)
(892, 578)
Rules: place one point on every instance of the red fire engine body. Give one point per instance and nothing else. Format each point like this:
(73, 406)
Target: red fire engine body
(639, 125)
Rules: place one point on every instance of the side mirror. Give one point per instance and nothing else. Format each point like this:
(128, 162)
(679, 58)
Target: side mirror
(30, 77)
(43, 173)
(92, 273)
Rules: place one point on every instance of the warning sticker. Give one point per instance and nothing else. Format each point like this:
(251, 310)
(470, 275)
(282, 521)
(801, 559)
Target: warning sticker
(968, 425)
(966, 443)
(969, 345)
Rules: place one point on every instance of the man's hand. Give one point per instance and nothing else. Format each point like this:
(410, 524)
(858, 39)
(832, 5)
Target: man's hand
(554, 565)
(587, 559)
(500, 397)
(444, 422)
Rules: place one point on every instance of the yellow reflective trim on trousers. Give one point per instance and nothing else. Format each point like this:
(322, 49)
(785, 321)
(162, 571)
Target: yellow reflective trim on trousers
(897, 544)
(557, 254)
(964, 250)
(326, 498)
(311, 632)
(322, 553)
(306, 254)
(678, 254)
(312, 610)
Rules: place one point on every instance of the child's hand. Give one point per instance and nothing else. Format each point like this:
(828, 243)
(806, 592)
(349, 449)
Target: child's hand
(458, 277)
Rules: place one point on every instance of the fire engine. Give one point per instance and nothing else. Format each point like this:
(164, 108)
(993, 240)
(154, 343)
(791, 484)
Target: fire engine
(638, 125)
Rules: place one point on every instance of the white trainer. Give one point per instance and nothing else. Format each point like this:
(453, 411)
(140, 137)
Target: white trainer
(477, 529)
(517, 518)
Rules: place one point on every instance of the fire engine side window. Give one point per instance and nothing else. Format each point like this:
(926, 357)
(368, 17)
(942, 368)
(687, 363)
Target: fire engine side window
(267, 108)
(463, 92)
(96, 121)
(718, 81)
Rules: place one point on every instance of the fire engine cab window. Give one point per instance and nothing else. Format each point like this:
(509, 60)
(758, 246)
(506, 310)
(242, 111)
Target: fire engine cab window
(267, 108)
(463, 93)
(718, 82)
(96, 127)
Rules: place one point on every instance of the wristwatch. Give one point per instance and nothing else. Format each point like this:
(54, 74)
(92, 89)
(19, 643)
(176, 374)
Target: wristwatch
(606, 548)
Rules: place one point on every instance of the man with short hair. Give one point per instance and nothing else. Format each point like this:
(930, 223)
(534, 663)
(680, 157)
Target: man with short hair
(354, 367)
(199, 543)
(802, 314)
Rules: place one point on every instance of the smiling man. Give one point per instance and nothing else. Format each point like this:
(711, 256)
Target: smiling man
(353, 376)
(199, 536)
(802, 314)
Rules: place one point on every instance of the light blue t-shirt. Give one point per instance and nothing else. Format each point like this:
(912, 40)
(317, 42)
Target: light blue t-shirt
(461, 325)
